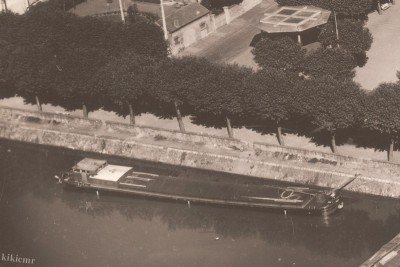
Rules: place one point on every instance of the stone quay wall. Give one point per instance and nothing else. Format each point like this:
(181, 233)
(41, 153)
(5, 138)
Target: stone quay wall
(258, 160)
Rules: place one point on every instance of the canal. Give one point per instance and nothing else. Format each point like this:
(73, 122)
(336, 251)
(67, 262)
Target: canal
(56, 227)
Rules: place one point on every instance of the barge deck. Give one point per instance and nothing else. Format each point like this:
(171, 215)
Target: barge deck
(100, 176)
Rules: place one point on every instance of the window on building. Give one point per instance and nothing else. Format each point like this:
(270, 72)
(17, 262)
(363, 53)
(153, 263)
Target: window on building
(203, 25)
(177, 40)
(176, 23)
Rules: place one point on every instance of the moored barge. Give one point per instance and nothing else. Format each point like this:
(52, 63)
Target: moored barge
(100, 176)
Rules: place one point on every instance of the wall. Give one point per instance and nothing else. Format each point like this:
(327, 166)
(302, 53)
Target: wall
(11, 114)
(234, 11)
(115, 139)
(218, 20)
(181, 157)
(177, 136)
(292, 154)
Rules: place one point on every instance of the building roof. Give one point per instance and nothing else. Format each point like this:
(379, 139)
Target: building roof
(112, 173)
(184, 16)
(292, 18)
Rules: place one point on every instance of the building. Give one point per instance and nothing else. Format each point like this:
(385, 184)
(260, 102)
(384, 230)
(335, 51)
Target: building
(187, 25)
(293, 19)
(16, 6)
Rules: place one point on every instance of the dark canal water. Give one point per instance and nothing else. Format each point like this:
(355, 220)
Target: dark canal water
(57, 227)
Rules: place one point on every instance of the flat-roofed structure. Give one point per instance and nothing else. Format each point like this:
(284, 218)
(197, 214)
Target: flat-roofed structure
(281, 19)
(109, 175)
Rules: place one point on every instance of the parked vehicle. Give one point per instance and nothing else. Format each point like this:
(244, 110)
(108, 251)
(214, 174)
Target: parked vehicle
(385, 6)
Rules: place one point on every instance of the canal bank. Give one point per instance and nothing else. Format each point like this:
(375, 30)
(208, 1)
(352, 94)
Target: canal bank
(200, 151)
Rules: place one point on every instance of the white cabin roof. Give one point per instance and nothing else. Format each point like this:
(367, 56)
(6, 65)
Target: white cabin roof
(111, 173)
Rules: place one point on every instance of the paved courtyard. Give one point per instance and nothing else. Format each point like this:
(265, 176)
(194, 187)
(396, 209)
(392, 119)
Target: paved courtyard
(384, 55)
(231, 43)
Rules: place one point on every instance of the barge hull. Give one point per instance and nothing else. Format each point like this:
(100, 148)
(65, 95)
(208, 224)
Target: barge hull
(206, 201)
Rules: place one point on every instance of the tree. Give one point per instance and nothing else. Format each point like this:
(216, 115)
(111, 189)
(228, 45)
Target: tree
(281, 53)
(221, 92)
(6, 86)
(335, 62)
(216, 6)
(32, 71)
(123, 82)
(56, 51)
(171, 82)
(9, 22)
(76, 69)
(352, 8)
(353, 36)
(382, 114)
(271, 97)
(330, 104)
(46, 25)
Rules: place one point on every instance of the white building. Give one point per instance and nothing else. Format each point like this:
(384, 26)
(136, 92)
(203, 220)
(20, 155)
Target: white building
(16, 6)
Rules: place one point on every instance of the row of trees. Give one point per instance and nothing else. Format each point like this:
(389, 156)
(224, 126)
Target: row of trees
(214, 94)
(45, 42)
(50, 56)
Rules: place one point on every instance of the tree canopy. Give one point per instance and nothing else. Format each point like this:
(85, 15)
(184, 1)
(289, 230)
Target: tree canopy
(281, 53)
(330, 103)
(334, 62)
(216, 6)
(353, 36)
(381, 114)
(124, 81)
(47, 50)
(381, 110)
(273, 95)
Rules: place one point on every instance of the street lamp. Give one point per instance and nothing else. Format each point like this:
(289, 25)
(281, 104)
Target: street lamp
(336, 28)
(122, 11)
(4, 4)
(163, 21)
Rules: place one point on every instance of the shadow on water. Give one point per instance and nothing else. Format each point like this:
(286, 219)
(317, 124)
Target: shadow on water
(345, 234)
(364, 225)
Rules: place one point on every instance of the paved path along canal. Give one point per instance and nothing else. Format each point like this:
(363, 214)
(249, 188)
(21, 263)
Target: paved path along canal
(56, 227)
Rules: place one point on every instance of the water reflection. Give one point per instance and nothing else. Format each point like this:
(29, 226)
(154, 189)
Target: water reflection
(38, 216)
